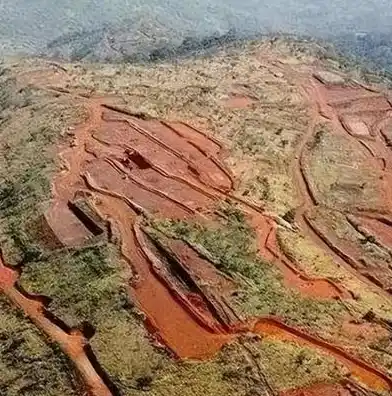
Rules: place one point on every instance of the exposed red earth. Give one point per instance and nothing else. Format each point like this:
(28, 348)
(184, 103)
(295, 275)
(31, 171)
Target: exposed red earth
(134, 166)
(361, 114)
(121, 167)
(346, 389)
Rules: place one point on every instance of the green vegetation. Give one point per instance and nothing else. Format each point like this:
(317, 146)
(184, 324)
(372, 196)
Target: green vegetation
(372, 49)
(232, 247)
(86, 286)
(30, 124)
(29, 366)
(289, 366)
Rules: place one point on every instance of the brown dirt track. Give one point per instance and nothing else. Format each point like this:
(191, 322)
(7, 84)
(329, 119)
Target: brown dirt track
(129, 167)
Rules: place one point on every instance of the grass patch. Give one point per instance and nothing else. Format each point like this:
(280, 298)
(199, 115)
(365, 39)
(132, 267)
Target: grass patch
(87, 285)
(289, 365)
(232, 247)
(32, 123)
(29, 366)
(342, 176)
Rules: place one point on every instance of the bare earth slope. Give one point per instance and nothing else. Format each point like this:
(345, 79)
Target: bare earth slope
(218, 225)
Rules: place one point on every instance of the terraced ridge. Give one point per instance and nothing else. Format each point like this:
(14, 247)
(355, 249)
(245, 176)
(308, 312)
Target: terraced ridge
(129, 169)
(358, 200)
(123, 171)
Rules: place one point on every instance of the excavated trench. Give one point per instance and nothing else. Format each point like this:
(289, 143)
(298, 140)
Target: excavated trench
(122, 168)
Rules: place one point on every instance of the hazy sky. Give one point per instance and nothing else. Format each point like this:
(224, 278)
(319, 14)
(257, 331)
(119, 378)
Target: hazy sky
(30, 24)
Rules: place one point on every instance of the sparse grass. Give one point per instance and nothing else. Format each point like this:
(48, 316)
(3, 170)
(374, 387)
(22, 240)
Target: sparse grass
(33, 124)
(261, 138)
(87, 286)
(84, 283)
(28, 364)
(340, 173)
(289, 365)
(233, 248)
(364, 249)
(315, 262)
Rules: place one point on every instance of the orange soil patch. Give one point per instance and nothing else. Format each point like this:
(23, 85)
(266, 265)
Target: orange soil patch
(237, 101)
(336, 95)
(8, 276)
(363, 114)
(193, 135)
(67, 228)
(356, 126)
(184, 330)
(192, 319)
(360, 105)
(319, 390)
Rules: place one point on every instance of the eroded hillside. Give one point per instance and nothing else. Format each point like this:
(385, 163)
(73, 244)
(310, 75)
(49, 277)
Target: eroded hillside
(219, 225)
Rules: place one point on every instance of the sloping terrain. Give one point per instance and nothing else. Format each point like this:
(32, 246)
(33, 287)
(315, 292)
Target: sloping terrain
(218, 225)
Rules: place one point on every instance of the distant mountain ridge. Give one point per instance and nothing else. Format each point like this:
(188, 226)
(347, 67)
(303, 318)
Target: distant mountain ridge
(30, 26)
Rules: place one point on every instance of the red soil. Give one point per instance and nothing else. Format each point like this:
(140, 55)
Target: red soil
(365, 115)
(66, 227)
(167, 171)
(319, 390)
(238, 101)
(134, 166)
